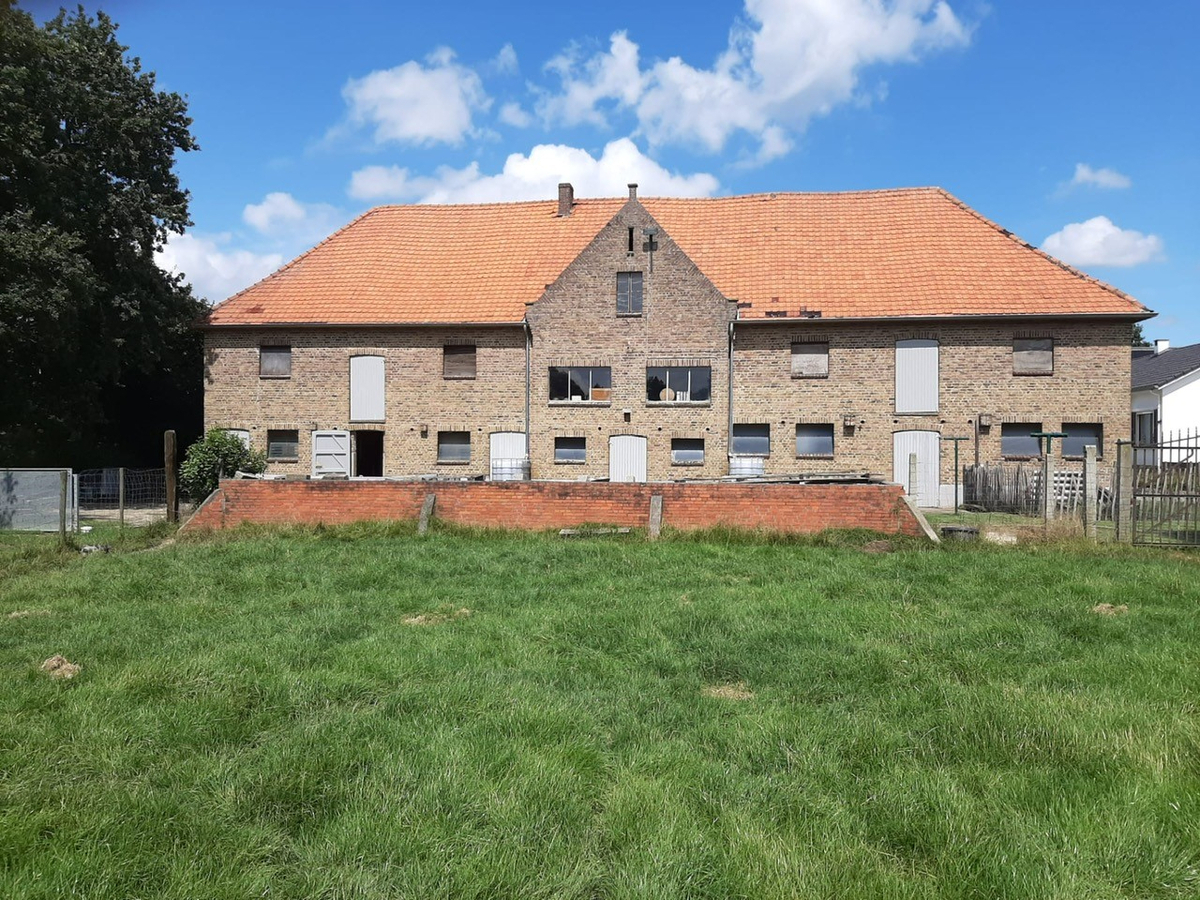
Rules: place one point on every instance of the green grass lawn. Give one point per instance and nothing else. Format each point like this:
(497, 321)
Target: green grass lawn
(314, 714)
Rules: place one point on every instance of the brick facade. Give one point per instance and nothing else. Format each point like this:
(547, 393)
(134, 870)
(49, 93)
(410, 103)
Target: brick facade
(795, 508)
(684, 321)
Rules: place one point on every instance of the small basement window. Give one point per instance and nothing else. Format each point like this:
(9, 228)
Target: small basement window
(629, 293)
(283, 444)
(458, 361)
(810, 360)
(1017, 441)
(1033, 356)
(581, 384)
(454, 447)
(275, 362)
(1079, 435)
(687, 451)
(570, 449)
(751, 440)
(678, 384)
(814, 440)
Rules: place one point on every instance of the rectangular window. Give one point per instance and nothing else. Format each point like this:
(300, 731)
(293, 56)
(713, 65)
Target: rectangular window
(678, 384)
(458, 361)
(1144, 430)
(570, 449)
(751, 440)
(275, 362)
(629, 293)
(283, 444)
(917, 377)
(1033, 356)
(814, 440)
(454, 446)
(1079, 435)
(367, 399)
(810, 360)
(1016, 441)
(581, 384)
(687, 451)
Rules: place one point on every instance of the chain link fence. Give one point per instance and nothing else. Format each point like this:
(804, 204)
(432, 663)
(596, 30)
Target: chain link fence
(132, 496)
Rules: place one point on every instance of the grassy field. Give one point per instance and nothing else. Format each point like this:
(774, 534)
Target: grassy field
(364, 713)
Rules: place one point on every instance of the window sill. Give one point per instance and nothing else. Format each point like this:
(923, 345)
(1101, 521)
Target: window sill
(749, 455)
(274, 377)
(653, 403)
(629, 315)
(368, 421)
(570, 462)
(810, 378)
(927, 413)
(1032, 374)
(581, 403)
(814, 456)
(692, 464)
(287, 459)
(459, 377)
(453, 462)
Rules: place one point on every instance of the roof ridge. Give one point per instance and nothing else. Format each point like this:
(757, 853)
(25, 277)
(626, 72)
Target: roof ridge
(294, 261)
(918, 189)
(1040, 252)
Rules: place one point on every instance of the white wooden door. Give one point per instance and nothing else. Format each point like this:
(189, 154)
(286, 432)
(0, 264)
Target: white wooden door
(508, 456)
(927, 445)
(331, 453)
(626, 458)
(366, 389)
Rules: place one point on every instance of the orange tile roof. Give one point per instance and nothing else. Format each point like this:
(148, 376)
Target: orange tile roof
(907, 252)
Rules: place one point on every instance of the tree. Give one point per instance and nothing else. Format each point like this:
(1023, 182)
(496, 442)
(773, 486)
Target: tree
(1139, 339)
(98, 346)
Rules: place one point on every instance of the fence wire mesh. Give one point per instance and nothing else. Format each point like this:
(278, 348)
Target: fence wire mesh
(140, 497)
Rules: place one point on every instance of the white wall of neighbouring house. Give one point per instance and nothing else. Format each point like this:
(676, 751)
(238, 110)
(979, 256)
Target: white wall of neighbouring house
(1181, 404)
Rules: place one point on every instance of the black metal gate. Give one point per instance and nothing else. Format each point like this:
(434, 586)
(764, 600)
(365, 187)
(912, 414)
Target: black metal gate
(1166, 493)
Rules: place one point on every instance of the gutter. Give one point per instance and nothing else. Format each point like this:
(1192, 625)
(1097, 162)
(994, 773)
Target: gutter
(849, 320)
(208, 326)
(528, 350)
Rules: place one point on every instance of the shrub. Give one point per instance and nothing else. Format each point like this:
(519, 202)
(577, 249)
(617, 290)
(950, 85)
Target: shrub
(217, 454)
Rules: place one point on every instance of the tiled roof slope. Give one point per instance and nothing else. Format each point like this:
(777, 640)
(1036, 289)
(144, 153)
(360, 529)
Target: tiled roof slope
(1152, 370)
(435, 264)
(910, 252)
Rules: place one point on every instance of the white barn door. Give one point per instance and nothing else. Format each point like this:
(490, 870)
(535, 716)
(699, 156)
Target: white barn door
(366, 389)
(927, 445)
(626, 458)
(508, 456)
(331, 453)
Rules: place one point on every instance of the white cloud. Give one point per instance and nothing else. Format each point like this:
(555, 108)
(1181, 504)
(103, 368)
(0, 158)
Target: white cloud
(1098, 242)
(1101, 178)
(505, 62)
(534, 177)
(214, 271)
(792, 60)
(280, 215)
(416, 104)
(513, 114)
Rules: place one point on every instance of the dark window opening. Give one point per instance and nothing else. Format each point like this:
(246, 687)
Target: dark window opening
(1079, 435)
(283, 444)
(368, 454)
(678, 384)
(454, 446)
(814, 440)
(630, 246)
(810, 360)
(458, 361)
(1017, 441)
(751, 440)
(1033, 356)
(275, 362)
(629, 293)
(570, 449)
(687, 451)
(581, 384)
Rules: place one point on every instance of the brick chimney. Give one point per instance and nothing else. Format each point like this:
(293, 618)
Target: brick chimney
(566, 198)
(633, 191)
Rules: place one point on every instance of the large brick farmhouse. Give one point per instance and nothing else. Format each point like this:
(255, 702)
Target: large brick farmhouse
(661, 339)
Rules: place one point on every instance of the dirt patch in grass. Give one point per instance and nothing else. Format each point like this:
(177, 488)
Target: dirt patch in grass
(1107, 609)
(59, 667)
(27, 613)
(877, 547)
(735, 691)
(437, 618)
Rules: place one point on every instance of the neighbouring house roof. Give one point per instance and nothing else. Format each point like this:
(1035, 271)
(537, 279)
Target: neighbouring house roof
(915, 252)
(1152, 370)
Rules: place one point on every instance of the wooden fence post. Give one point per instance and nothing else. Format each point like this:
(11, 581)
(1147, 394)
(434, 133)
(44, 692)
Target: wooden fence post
(1124, 511)
(121, 496)
(169, 465)
(1090, 488)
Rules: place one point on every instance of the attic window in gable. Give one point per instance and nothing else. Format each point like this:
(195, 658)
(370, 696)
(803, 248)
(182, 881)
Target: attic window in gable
(629, 293)
(629, 246)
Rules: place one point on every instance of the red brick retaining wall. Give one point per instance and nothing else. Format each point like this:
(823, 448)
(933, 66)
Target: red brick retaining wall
(543, 505)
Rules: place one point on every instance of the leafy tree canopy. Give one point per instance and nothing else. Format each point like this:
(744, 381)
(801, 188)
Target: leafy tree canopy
(1139, 338)
(97, 344)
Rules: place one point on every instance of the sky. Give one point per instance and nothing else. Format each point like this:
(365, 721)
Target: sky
(1073, 123)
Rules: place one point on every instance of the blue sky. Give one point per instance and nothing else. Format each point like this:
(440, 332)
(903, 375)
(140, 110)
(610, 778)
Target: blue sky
(1074, 123)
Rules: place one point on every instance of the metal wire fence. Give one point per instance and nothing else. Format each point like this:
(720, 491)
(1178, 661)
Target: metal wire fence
(132, 496)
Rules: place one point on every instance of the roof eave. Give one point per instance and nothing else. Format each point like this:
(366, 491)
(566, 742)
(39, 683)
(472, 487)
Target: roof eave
(214, 326)
(809, 320)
